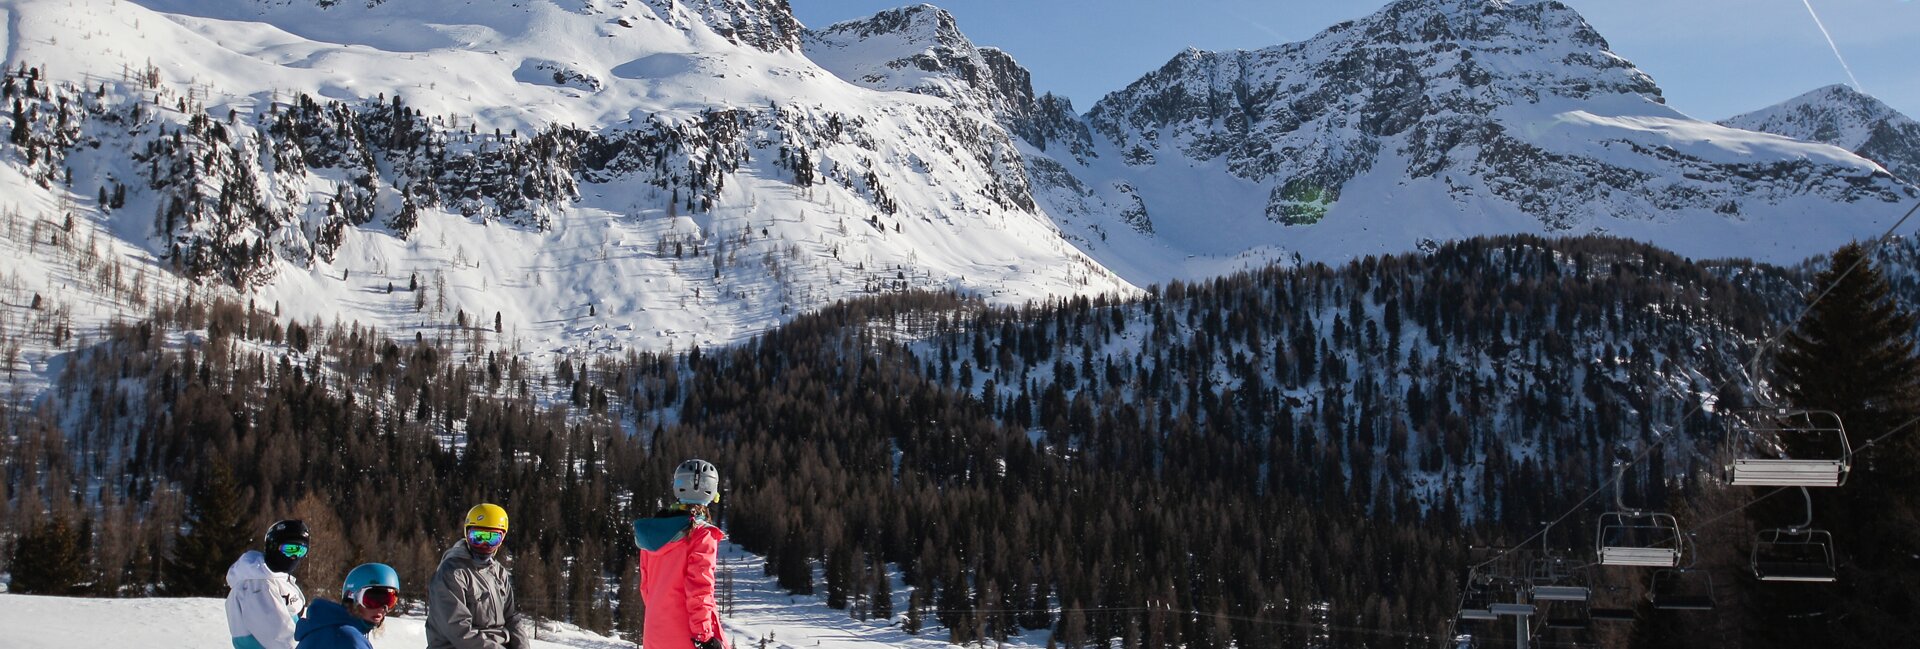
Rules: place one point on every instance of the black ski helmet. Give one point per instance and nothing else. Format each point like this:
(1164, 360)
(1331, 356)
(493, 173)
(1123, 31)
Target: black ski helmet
(288, 531)
(282, 533)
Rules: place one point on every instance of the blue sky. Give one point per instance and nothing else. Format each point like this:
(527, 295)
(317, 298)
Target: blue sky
(1713, 58)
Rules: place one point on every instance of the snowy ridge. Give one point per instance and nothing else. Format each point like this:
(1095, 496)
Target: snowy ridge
(1846, 118)
(1437, 119)
(387, 145)
(606, 175)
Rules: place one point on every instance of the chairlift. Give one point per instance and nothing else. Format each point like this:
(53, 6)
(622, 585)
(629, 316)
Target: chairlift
(1510, 609)
(1759, 440)
(1631, 537)
(1681, 589)
(1475, 603)
(1561, 593)
(1798, 554)
(1553, 568)
(1478, 615)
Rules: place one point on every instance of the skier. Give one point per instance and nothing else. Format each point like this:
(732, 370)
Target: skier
(370, 590)
(470, 602)
(264, 600)
(678, 549)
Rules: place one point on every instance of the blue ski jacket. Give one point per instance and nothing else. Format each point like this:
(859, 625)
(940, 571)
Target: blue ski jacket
(328, 625)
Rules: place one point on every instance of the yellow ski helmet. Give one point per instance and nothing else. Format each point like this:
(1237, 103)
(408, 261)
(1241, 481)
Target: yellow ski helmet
(487, 515)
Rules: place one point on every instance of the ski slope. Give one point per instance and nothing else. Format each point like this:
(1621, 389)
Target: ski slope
(761, 610)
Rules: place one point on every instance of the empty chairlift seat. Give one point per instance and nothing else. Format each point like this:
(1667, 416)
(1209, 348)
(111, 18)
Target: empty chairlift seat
(1512, 610)
(1781, 447)
(1681, 590)
(1475, 603)
(1645, 539)
(1795, 555)
(1560, 593)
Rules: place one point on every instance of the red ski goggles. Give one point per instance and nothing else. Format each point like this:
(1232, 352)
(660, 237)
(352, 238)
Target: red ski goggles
(486, 537)
(377, 597)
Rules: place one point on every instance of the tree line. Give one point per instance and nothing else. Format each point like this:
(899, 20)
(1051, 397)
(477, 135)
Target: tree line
(1287, 457)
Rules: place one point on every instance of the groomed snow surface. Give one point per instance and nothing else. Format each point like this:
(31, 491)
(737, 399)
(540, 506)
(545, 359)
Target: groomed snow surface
(761, 609)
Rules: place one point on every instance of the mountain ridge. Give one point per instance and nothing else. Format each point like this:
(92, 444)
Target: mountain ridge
(632, 175)
(1847, 118)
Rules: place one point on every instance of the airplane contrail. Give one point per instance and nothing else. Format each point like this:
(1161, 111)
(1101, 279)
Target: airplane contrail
(1836, 47)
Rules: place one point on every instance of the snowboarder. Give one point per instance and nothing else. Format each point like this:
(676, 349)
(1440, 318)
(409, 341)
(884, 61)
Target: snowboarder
(264, 600)
(369, 591)
(678, 550)
(470, 602)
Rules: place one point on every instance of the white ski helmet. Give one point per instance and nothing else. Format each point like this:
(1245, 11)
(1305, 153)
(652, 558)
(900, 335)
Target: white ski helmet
(696, 482)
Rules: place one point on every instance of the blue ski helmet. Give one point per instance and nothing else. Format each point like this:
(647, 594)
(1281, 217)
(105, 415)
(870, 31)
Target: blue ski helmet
(369, 574)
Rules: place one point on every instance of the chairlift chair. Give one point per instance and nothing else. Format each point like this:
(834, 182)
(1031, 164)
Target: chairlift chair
(1632, 537)
(1645, 539)
(1798, 554)
(1475, 603)
(1794, 555)
(1561, 594)
(1681, 589)
(1568, 616)
(1758, 439)
(1478, 615)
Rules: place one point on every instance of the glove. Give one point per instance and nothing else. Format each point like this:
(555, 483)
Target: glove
(709, 643)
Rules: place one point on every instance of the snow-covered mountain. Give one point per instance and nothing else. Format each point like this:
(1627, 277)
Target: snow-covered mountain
(1441, 118)
(920, 49)
(1846, 118)
(600, 174)
(584, 174)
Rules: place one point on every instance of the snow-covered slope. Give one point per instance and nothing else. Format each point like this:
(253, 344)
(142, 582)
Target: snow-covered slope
(1846, 118)
(760, 609)
(587, 174)
(607, 174)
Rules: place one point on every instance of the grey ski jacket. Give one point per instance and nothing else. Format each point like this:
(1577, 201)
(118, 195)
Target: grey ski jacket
(470, 604)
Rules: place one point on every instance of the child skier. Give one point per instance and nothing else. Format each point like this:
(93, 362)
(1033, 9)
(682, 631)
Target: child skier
(369, 592)
(678, 550)
(265, 600)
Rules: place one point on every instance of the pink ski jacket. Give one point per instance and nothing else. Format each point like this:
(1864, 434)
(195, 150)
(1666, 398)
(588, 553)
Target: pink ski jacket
(676, 581)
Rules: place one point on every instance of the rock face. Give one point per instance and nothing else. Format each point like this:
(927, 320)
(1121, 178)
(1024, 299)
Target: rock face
(920, 49)
(1519, 101)
(1846, 118)
(765, 25)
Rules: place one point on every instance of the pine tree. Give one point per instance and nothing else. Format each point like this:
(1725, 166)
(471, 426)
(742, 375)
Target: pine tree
(882, 597)
(216, 535)
(631, 616)
(1852, 354)
(48, 560)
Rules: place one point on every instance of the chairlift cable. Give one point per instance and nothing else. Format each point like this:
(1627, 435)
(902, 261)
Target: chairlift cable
(1881, 241)
(1777, 336)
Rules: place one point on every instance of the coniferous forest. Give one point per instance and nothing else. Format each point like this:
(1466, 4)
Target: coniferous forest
(1291, 457)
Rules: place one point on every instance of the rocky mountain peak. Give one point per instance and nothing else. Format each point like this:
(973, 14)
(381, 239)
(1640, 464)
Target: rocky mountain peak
(925, 24)
(1847, 118)
(920, 49)
(766, 25)
(1478, 95)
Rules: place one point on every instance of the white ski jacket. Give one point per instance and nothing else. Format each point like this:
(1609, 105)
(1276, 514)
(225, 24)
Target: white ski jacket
(263, 605)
